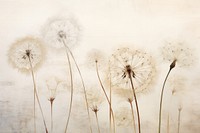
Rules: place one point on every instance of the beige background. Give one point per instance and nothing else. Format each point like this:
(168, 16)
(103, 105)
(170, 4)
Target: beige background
(106, 25)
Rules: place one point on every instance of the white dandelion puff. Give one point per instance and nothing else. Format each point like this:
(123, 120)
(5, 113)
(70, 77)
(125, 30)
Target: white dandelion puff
(59, 30)
(95, 97)
(123, 117)
(96, 56)
(179, 52)
(24, 48)
(139, 63)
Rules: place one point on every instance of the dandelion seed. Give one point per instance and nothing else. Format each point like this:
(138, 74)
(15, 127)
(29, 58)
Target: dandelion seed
(22, 49)
(58, 30)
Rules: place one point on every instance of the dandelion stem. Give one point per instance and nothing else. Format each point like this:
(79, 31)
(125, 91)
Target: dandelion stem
(105, 95)
(51, 116)
(134, 126)
(162, 93)
(97, 121)
(136, 103)
(110, 115)
(34, 112)
(72, 88)
(84, 89)
(179, 120)
(35, 91)
(168, 123)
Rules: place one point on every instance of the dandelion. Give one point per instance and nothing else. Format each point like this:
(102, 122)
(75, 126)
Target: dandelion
(94, 100)
(123, 117)
(52, 85)
(58, 30)
(175, 53)
(65, 33)
(23, 49)
(176, 85)
(179, 53)
(104, 91)
(128, 96)
(97, 57)
(132, 69)
(26, 54)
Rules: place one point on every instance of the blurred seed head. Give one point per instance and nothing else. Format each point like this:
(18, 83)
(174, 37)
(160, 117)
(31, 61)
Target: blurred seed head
(95, 98)
(59, 29)
(96, 56)
(123, 117)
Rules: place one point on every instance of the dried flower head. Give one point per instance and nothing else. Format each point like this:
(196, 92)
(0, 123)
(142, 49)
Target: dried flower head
(123, 117)
(176, 84)
(24, 51)
(125, 94)
(95, 98)
(96, 56)
(58, 30)
(178, 52)
(52, 85)
(126, 63)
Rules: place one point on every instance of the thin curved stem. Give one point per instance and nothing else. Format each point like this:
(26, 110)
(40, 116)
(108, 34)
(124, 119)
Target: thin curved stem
(72, 88)
(37, 97)
(34, 116)
(134, 126)
(136, 103)
(179, 120)
(97, 121)
(83, 84)
(110, 115)
(161, 100)
(97, 71)
(168, 117)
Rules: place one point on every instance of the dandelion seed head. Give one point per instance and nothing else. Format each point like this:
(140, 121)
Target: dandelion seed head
(59, 30)
(178, 52)
(123, 117)
(125, 94)
(26, 49)
(96, 56)
(138, 65)
(95, 98)
(176, 84)
(52, 86)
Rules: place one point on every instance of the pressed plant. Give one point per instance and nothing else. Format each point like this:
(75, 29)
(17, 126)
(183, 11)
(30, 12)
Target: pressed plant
(65, 33)
(95, 57)
(176, 53)
(95, 99)
(132, 69)
(52, 85)
(127, 95)
(26, 55)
